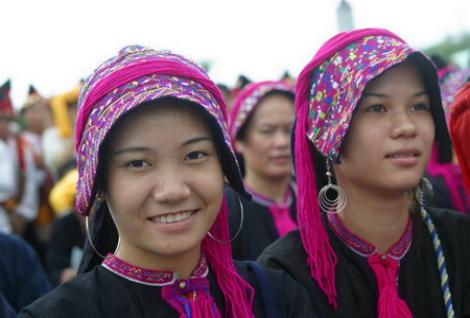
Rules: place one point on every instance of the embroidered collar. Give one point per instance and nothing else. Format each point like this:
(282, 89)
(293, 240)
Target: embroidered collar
(366, 249)
(267, 201)
(149, 276)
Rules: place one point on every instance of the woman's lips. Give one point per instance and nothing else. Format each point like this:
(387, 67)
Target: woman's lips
(404, 157)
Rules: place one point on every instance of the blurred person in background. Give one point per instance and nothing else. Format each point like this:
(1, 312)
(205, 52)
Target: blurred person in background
(460, 131)
(36, 116)
(57, 141)
(443, 170)
(68, 231)
(22, 277)
(260, 126)
(19, 191)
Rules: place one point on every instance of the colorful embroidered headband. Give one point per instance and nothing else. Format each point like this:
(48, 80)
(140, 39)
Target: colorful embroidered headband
(247, 100)
(134, 76)
(338, 80)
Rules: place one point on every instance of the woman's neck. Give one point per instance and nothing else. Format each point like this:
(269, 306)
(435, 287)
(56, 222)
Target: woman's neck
(274, 188)
(183, 265)
(377, 218)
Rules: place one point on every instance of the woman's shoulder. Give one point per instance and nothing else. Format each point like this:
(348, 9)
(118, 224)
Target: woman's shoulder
(76, 298)
(284, 251)
(276, 291)
(450, 223)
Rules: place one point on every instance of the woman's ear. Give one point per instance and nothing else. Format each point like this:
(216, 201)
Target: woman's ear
(239, 146)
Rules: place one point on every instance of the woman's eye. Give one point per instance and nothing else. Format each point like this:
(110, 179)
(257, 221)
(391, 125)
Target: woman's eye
(378, 108)
(267, 132)
(195, 155)
(421, 107)
(137, 164)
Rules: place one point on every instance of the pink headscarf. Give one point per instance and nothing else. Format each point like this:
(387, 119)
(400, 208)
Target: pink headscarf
(248, 98)
(327, 93)
(137, 75)
(460, 131)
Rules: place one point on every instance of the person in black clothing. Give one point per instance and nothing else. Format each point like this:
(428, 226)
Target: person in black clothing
(368, 111)
(260, 125)
(153, 155)
(22, 278)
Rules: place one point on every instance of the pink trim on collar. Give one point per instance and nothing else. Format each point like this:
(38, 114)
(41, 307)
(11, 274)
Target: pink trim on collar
(149, 276)
(366, 249)
(267, 201)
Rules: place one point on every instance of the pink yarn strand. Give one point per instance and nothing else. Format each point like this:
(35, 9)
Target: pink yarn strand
(203, 307)
(321, 258)
(238, 294)
(389, 305)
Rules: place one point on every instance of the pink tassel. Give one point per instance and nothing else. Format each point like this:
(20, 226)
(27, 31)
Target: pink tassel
(321, 258)
(194, 301)
(204, 307)
(238, 294)
(389, 305)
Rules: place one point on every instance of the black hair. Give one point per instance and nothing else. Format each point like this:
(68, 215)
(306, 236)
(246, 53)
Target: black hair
(438, 61)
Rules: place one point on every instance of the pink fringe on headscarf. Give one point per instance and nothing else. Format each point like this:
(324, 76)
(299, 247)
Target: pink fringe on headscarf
(238, 294)
(321, 259)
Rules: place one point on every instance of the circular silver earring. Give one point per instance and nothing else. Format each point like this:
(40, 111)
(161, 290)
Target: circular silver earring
(424, 191)
(242, 218)
(95, 207)
(338, 202)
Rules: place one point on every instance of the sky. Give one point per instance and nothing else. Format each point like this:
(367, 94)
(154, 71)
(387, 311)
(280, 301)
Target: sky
(52, 44)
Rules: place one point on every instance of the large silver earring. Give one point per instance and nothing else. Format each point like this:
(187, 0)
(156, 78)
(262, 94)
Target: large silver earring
(424, 191)
(95, 207)
(338, 203)
(242, 218)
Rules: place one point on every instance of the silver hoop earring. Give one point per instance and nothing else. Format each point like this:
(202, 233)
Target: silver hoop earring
(95, 207)
(338, 203)
(424, 191)
(242, 218)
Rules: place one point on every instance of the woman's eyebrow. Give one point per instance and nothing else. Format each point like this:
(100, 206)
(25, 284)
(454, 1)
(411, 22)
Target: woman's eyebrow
(196, 140)
(374, 95)
(130, 149)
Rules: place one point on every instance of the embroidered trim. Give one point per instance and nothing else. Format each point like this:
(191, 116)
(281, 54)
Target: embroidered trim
(267, 201)
(366, 249)
(149, 276)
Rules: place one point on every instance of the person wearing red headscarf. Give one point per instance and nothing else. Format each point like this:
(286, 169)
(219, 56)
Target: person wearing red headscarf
(460, 131)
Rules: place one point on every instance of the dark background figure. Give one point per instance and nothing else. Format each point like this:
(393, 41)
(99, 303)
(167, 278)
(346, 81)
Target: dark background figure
(5, 308)
(22, 278)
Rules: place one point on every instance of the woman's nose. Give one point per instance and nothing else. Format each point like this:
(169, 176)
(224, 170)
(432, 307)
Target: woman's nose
(170, 188)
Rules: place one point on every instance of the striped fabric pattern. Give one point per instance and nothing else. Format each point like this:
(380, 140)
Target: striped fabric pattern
(441, 264)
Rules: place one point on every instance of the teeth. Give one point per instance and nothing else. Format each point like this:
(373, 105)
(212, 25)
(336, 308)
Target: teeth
(173, 218)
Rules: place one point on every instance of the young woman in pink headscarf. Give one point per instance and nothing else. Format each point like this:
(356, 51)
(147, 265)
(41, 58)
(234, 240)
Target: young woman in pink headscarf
(153, 155)
(368, 111)
(260, 126)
